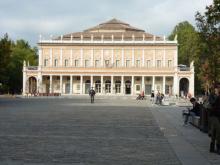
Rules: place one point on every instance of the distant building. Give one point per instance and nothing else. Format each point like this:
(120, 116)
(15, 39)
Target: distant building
(114, 58)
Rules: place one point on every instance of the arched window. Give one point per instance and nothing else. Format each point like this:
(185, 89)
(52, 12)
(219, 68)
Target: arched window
(108, 81)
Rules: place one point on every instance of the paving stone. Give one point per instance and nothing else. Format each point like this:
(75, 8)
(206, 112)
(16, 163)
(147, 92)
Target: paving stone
(72, 131)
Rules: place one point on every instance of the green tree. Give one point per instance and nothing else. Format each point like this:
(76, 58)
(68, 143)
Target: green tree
(209, 31)
(188, 41)
(188, 48)
(21, 51)
(5, 56)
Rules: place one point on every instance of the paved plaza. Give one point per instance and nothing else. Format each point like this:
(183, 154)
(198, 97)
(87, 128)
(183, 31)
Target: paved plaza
(112, 131)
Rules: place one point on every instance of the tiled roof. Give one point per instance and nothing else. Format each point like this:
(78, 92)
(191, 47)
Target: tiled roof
(111, 30)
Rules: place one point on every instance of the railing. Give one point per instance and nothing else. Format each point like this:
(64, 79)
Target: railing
(108, 67)
(32, 67)
(184, 68)
(108, 42)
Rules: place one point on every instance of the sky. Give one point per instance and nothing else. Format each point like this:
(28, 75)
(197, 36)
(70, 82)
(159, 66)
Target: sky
(27, 19)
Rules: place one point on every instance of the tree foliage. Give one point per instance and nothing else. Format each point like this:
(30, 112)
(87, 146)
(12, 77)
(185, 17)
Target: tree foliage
(189, 47)
(12, 56)
(209, 31)
(188, 40)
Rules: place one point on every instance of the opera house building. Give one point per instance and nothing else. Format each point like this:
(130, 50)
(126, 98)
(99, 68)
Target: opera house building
(114, 58)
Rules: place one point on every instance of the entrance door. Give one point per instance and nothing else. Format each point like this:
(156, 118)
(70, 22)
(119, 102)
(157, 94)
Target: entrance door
(87, 86)
(138, 88)
(67, 88)
(107, 86)
(117, 86)
(128, 87)
(148, 89)
(98, 86)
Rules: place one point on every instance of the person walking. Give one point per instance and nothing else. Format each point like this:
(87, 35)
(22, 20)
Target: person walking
(152, 97)
(92, 94)
(215, 123)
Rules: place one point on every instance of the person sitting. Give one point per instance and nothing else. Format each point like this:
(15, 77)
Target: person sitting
(195, 111)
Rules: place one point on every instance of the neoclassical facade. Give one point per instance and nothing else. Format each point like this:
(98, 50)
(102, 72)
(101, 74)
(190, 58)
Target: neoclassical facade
(114, 58)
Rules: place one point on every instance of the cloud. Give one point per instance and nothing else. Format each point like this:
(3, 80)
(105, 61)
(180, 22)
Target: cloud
(27, 19)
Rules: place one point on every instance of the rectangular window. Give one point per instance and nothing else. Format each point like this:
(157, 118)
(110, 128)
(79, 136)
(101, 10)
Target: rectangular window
(66, 62)
(158, 63)
(45, 62)
(137, 63)
(96, 63)
(86, 63)
(106, 63)
(169, 63)
(56, 62)
(76, 63)
(148, 64)
(127, 63)
(117, 63)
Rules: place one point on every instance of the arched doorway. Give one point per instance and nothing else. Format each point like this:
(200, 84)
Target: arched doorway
(107, 86)
(32, 83)
(128, 87)
(98, 86)
(184, 87)
(87, 86)
(117, 86)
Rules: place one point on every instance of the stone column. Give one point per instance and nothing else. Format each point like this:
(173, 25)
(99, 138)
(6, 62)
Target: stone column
(51, 57)
(40, 57)
(101, 84)
(112, 84)
(39, 82)
(71, 57)
(81, 57)
(61, 84)
(175, 85)
(122, 57)
(164, 84)
(175, 58)
(143, 59)
(24, 80)
(112, 57)
(164, 57)
(81, 84)
(92, 57)
(143, 84)
(191, 84)
(132, 85)
(122, 85)
(154, 56)
(61, 57)
(132, 57)
(192, 79)
(102, 58)
(51, 84)
(71, 84)
(91, 84)
(153, 83)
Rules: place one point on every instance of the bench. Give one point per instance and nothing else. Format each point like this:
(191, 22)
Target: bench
(195, 121)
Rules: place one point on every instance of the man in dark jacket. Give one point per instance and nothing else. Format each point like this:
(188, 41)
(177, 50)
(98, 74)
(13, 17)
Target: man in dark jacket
(92, 94)
(215, 123)
(195, 111)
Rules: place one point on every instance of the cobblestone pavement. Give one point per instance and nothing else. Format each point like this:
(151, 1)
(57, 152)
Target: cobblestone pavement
(73, 131)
